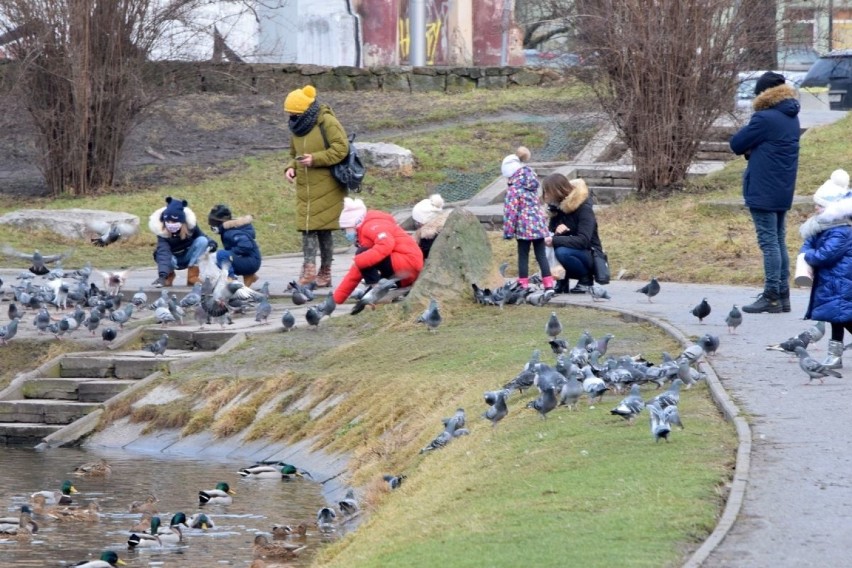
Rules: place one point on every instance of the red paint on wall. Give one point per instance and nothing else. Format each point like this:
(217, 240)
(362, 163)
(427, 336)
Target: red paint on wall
(379, 31)
(487, 32)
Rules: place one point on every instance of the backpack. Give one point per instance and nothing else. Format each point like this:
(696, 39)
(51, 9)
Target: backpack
(350, 171)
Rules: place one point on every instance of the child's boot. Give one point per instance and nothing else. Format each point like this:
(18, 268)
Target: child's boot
(834, 359)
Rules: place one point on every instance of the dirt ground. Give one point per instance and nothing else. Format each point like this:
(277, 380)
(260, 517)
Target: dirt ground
(197, 134)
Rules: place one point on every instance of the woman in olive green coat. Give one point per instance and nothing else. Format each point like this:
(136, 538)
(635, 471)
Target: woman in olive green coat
(317, 142)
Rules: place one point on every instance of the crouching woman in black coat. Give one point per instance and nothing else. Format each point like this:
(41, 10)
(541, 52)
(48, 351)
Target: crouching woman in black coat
(574, 228)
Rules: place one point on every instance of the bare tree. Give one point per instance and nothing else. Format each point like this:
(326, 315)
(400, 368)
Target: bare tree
(80, 70)
(665, 70)
(544, 20)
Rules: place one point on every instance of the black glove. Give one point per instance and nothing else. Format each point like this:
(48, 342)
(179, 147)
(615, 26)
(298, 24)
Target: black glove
(212, 246)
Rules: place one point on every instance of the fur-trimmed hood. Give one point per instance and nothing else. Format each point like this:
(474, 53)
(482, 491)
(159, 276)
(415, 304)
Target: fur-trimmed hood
(772, 96)
(238, 222)
(431, 228)
(576, 198)
(156, 226)
(836, 214)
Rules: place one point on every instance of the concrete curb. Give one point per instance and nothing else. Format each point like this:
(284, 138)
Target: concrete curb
(739, 483)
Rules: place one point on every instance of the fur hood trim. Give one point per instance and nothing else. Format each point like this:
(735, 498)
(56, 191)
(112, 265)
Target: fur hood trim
(576, 198)
(156, 226)
(771, 97)
(836, 214)
(238, 222)
(431, 228)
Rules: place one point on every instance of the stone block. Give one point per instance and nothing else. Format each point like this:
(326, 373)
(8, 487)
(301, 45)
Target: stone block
(58, 389)
(426, 83)
(460, 84)
(139, 368)
(492, 82)
(386, 156)
(395, 82)
(525, 78)
(44, 411)
(71, 366)
(101, 391)
(69, 223)
(23, 434)
(332, 82)
(365, 82)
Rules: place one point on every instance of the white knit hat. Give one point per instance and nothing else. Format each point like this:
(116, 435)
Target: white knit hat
(427, 209)
(511, 164)
(352, 214)
(834, 189)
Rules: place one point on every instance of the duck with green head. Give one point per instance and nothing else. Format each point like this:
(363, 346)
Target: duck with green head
(61, 497)
(20, 527)
(277, 470)
(108, 559)
(219, 496)
(201, 521)
(172, 534)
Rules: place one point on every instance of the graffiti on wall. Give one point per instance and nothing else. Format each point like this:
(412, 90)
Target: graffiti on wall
(436, 32)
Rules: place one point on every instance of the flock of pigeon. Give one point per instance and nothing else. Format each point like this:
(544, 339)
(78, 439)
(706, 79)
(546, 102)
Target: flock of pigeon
(288, 541)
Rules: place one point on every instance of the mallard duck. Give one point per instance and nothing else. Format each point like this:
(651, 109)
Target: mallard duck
(90, 513)
(264, 548)
(283, 532)
(108, 560)
(201, 521)
(61, 497)
(147, 507)
(93, 469)
(275, 470)
(40, 506)
(157, 534)
(20, 527)
(219, 496)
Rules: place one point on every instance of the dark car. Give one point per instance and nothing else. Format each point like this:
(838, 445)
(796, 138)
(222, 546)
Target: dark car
(834, 71)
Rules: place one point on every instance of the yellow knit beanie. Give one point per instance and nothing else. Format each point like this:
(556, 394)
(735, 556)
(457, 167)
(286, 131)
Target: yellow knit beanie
(299, 100)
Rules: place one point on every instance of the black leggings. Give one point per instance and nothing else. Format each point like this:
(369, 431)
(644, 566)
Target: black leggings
(837, 330)
(382, 269)
(524, 257)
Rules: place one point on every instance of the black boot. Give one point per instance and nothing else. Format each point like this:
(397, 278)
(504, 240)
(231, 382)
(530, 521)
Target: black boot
(767, 302)
(583, 286)
(785, 301)
(562, 286)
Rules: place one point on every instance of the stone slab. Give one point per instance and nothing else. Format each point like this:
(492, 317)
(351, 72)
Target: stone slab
(53, 388)
(24, 434)
(101, 391)
(69, 223)
(45, 411)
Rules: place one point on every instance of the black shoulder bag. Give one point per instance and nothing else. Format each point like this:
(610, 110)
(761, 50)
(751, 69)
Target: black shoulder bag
(600, 265)
(350, 170)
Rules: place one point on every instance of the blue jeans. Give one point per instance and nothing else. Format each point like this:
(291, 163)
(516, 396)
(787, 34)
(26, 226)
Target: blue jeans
(190, 256)
(576, 262)
(772, 237)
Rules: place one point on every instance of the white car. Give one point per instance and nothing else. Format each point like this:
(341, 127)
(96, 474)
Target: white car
(746, 80)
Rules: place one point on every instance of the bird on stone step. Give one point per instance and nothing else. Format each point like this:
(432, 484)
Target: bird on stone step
(158, 347)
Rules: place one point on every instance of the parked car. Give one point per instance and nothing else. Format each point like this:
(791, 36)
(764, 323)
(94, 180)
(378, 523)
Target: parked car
(834, 72)
(746, 80)
(796, 58)
(536, 58)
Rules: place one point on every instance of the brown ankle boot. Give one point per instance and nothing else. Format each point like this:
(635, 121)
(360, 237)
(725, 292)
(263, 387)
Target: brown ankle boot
(249, 279)
(309, 273)
(170, 278)
(193, 275)
(324, 277)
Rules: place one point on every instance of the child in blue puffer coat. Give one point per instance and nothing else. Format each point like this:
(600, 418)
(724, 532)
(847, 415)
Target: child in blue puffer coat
(828, 249)
(239, 246)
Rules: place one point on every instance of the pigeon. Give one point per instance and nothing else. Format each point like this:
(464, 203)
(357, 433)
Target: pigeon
(734, 319)
(670, 397)
(313, 317)
(789, 345)
(122, 316)
(702, 310)
(8, 331)
(813, 368)
(301, 294)
(545, 402)
(498, 410)
(192, 298)
(431, 316)
(601, 345)
(288, 320)
(599, 293)
(93, 321)
(631, 406)
(200, 316)
(659, 426)
(109, 233)
(42, 320)
(394, 481)
(262, 311)
(593, 386)
(671, 416)
(348, 505)
(374, 294)
(13, 311)
(709, 342)
(553, 327)
(216, 309)
(109, 334)
(443, 438)
(459, 417)
(158, 347)
(326, 518)
(163, 315)
(327, 307)
(570, 392)
(140, 298)
(693, 354)
(37, 259)
(558, 346)
(650, 289)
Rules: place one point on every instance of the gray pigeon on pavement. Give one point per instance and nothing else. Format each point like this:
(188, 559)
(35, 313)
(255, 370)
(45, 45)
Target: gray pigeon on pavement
(13, 312)
(8, 331)
(734, 319)
(262, 311)
(374, 294)
(109, 334)
(650, 289)
(327, 307)
(789, 345)
(702, 310)
(163, 315)
(431, 316)
(348, 505)
(599, 293)
(301, 294)
(192, 298)
(158, 347)
(709, 342)
(140, 298)
(498, 410)
(813, 368)
(123, 315)
(42, 320)
(288, 320)
(553, 327)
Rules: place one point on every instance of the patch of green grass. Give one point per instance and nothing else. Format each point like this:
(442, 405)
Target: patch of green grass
(33, 353)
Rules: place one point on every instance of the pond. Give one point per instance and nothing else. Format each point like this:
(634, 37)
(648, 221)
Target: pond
(257, 506)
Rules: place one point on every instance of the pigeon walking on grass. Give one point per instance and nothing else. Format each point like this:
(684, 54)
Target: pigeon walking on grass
(431, 316)
(288, 320)
(659, 426)
(497, 402)
(553, 327)
(374, 294)
(630, 406)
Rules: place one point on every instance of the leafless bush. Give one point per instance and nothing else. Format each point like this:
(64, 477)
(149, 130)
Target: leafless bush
(665, 70)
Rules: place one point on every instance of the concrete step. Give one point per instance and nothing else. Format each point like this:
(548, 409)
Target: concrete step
(44, 411)
(25, 433)
(85, 389)
(119, 366)
(189, 340)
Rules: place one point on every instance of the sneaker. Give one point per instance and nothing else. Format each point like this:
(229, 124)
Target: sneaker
(580, 288)
(785, 302)
(159, 282)
(765, 303)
